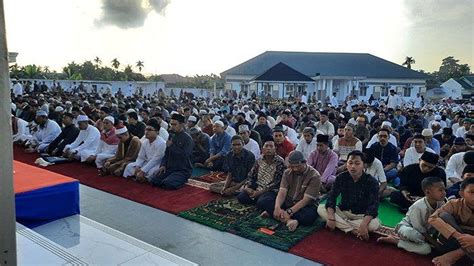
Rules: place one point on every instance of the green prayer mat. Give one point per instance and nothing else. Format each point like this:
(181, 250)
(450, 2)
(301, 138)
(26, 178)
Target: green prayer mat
(198, 171)
(389, 214)
(220, 214)
(282, 239)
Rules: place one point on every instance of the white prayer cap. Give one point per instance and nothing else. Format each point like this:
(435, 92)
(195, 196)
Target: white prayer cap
(427, 132)
(41, 113)
(68, 102)
(243, 128)
(173, 112)
(121, 130)
(85, 102)
(97, 101)
(212, 112)
(203, 112)
(435, 123)
(245, 106)
(386, 123)
(58, 109)
(219, 123)
(110, 118)
(437, 117)
(192, 119)
(82, 118)
(216, 118)
(131, 111)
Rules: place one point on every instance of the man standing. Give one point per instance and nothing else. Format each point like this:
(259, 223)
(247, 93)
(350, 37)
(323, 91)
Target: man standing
(249, 144)
(150, 155)
(237, 164)
(176, 166)
(299, 189)
(393, 100)
(357, 212)
(324, 160)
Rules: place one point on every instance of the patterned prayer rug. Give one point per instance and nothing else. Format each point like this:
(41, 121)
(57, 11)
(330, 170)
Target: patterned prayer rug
(220, 214)
(272, 233)
(204, 181)
(198, 171)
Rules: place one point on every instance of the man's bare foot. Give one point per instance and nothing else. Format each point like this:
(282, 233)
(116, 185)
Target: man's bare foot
(264, 214)
(292, 225)
(449, 258)
(388, 239)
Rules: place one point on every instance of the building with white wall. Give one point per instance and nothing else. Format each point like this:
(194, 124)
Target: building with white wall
(462, 88)
(345, 74)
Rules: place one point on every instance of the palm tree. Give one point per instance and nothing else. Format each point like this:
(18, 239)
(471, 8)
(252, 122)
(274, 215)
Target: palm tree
(46, 70)
(409, 61)
(115, 63)
(139, 65)
(97, 61)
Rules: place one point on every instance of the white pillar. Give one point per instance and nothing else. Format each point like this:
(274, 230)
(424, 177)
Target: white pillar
(7, 197)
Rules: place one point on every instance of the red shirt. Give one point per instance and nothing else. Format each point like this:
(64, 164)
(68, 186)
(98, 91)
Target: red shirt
(284, 148)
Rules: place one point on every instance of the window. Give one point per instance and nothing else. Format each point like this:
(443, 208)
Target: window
(384, 91)
(406, 91)
(363, 91)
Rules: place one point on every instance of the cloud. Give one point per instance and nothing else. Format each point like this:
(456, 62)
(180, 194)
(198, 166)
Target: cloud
(129, 13)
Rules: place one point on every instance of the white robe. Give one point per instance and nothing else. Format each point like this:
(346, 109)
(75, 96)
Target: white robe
(85, 144)
(44, 136)
(306, 148)
(23, 130)
(253, 147)
(412, 156)
(292, 135)
(149, 158)
(104, 151)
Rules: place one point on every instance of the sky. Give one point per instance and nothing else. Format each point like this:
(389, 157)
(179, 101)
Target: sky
(191, 37)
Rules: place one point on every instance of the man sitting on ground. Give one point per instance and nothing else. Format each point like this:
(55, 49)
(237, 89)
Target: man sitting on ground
(387, 153)
(357, 212)
(282, 144)
(453, 191)
(108, 143)
(374, 168)
(86, 142)
(176, 167)
(299, 189)
(47, 130)
(324, 160)
(455, 222)
(414, 232)
(127, 152)
(220, 146)
(413, 154)
(265, 175)
(237, 164)
(411, 178)
(202, 143)
(249, 143)
(150, 155)
(307, 142)
(68, 134)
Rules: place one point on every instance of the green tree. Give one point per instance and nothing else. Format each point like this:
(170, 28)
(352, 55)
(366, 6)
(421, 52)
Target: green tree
(450, 68)
(139, 65)
(408, 62)
(115, 63)
(97, 61)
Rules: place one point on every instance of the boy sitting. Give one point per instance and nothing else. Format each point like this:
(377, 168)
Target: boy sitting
(455, 222)
(413, 232)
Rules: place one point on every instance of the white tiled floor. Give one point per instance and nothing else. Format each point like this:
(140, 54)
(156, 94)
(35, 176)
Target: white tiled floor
(78, 240)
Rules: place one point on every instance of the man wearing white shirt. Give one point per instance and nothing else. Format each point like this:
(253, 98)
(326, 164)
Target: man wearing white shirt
(47, 131)
(307, 142)
(333, 100)
(413, 154)
(108, 143)
(466, 125)
(20, 128)
(456, 165)
(374, 168)
(324, 125)
(417, 102)
(393, 100)
(17, 88)
(149, 157)
(86, 143)
(392, 139)
(249, 143)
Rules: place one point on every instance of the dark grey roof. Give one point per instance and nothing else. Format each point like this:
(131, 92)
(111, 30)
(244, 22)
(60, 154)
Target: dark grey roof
(464, 84)
(282, 72)
(326, 64)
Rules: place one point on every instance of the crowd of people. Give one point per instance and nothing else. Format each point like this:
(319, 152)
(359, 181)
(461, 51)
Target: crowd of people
(284, 157)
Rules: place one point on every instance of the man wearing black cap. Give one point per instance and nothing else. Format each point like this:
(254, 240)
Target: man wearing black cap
(176, 166)
(411, 177)
(299, 188)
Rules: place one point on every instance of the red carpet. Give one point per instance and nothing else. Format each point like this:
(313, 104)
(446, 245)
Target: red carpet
(28, 178)
(337, 248)
(171, 201)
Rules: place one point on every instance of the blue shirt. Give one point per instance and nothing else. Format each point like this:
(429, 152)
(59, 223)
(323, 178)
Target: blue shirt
(434, 145)
(220, 144)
